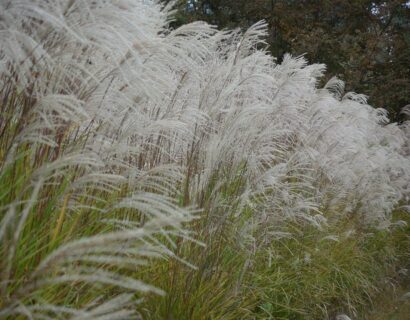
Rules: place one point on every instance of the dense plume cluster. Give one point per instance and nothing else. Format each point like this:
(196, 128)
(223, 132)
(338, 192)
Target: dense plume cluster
(111, 111)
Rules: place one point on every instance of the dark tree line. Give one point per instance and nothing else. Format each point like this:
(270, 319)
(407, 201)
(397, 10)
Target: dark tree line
(366, 43)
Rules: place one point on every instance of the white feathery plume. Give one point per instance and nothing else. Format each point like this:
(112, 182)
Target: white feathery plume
(110, 99)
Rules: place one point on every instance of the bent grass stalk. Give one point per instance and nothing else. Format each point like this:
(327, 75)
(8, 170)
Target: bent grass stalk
(60, 219)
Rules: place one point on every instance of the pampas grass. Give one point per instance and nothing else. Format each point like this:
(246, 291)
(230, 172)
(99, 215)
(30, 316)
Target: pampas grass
(125, 144)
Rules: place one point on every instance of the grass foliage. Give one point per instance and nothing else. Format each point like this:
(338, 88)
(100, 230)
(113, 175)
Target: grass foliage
(184, 174)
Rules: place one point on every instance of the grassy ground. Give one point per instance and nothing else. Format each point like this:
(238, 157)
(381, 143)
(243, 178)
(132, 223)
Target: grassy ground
(392, 303)
(310, 275)
(390, 309)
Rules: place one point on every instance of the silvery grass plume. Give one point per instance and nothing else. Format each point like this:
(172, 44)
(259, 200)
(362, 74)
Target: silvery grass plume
(296, 150)
(113, 126)
(89, 190)
(360, 155)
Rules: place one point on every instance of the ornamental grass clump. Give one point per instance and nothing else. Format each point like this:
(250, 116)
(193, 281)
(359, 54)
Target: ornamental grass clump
(85, 197)
(125, 143)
